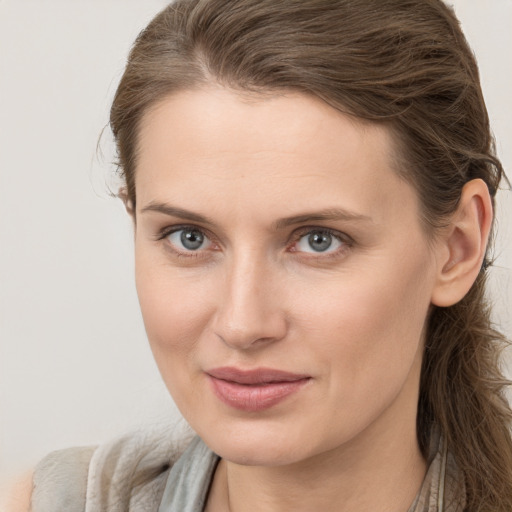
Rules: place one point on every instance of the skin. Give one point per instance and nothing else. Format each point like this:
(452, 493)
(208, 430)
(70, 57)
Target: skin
(16, 496)
(257, 294)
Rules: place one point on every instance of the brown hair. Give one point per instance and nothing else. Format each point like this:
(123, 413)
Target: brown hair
(404, 63)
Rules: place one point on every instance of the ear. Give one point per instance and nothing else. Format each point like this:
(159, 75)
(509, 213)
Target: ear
(128, 204)
(461, 248)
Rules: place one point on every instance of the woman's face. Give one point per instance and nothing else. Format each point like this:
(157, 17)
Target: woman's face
(282, 271)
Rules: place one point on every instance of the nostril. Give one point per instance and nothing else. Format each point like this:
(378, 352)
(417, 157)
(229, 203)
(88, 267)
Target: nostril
(250, 338)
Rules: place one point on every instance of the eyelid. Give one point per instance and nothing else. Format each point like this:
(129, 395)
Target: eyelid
(169, 230)
(300, 232)
(346, 241)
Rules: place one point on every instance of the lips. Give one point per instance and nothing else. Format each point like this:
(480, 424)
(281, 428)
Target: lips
(254, 390)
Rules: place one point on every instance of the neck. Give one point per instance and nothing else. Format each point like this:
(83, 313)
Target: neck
(373, 472)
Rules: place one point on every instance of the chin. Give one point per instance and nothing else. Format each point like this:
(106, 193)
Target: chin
(258, 445)
(259, 454)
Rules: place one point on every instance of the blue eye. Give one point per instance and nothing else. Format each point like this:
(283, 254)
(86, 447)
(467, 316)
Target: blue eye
(319, 241)
(189, 239)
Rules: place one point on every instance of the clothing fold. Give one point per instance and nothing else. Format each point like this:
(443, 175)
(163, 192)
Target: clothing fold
(155, 472)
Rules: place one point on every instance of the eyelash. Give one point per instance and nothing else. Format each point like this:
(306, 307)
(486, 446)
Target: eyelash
(346, 241)
(164, 233)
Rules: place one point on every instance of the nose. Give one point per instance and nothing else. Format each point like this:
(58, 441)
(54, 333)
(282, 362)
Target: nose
(251, 311)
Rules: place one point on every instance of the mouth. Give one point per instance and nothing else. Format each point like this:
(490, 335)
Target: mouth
(254, 390)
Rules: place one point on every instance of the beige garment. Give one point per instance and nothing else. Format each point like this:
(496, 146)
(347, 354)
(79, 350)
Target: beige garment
(142, 473)
(443, 488)
(126, 475)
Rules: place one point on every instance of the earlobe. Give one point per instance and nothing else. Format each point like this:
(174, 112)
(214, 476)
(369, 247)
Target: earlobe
(461, 248)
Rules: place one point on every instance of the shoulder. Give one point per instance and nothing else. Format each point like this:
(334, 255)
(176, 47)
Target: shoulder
(60, 480)
(128, 473)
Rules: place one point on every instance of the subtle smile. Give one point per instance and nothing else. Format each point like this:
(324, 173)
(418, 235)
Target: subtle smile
(254, 390)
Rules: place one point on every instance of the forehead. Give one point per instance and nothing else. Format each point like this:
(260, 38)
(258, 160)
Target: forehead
(290, 147)
(224, 120)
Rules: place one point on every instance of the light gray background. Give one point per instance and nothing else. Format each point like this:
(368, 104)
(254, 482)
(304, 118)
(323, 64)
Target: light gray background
(75, 367)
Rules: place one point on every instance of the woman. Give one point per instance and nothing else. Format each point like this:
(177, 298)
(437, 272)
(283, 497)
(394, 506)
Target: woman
(311, 185)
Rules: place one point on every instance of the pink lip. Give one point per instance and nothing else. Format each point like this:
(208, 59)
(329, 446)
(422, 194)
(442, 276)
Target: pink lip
(254, 390)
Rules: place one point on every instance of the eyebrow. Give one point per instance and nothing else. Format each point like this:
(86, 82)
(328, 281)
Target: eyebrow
(329, 214)
(173, 211)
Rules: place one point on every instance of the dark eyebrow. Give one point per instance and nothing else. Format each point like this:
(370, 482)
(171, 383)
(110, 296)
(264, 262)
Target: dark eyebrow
(330, 214)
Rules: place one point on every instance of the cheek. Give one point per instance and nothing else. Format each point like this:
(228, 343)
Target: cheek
(172, 305)
(175, 313)
(368, 327)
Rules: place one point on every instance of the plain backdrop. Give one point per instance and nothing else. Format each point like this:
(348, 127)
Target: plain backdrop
(75, 367)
